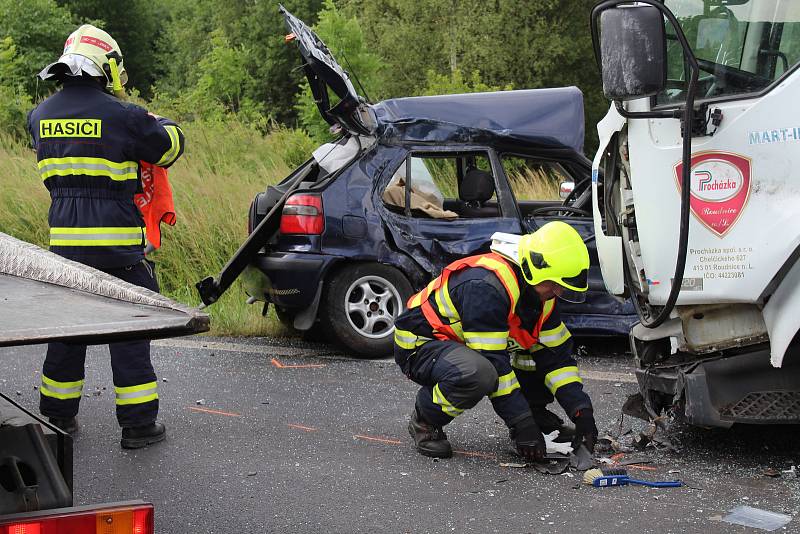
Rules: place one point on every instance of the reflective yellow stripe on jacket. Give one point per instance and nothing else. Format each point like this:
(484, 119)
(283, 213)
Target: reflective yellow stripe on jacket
(561, 377)
(136, 394)
(97, 237)
(61, 390)
(506, 276)
(486, 340)
(408, 340)
(524, 360)
(555, 336)
(171, 154)
(70, 166)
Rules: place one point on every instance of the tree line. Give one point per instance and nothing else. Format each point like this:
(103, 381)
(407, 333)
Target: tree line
(207, 59)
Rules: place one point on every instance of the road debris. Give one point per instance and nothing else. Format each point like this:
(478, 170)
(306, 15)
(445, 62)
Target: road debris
(552, 466)
(773, 473)
(756, 518)
(200, 402)
(791, 472)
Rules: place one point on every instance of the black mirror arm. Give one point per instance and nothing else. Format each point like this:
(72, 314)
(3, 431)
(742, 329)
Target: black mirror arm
(645, 316)
(664, 114)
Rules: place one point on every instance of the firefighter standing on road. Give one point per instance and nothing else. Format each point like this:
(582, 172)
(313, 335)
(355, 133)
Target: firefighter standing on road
(88, 144)
(478, 330)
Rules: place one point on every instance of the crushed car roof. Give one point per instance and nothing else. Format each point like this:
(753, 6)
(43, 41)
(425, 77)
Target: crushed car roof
(547, 117)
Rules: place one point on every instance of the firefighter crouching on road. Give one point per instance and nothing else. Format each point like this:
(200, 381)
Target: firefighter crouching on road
(489, 326)
(88, 144)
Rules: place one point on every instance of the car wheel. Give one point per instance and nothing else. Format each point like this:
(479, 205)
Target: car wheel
(360, 305)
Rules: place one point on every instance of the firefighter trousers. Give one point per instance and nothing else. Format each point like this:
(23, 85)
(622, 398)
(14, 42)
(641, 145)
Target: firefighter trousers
(135, 383)
(455, 378)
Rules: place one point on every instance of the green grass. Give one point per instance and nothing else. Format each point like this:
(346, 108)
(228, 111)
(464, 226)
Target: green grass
(224, 166)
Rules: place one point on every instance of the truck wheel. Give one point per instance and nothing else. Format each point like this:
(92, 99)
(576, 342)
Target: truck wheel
(360, 305)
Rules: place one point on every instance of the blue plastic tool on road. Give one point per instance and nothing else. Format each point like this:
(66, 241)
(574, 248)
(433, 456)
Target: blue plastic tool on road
(618, 477)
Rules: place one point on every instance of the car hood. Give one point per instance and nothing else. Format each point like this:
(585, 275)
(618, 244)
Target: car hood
(325, 76)
(546, 117)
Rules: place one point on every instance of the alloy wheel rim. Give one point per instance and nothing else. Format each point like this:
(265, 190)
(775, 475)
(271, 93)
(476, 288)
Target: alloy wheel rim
(371, 306)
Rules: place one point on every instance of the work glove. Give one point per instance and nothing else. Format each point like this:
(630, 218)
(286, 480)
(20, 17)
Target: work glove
(585, 429)
(528, 440)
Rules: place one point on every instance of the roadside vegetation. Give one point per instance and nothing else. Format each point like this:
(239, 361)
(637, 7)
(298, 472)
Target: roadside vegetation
(223, 71)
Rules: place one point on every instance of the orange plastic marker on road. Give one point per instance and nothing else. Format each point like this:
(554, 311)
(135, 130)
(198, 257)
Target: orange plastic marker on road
(217, 412)
(279, 365)
(301, 427)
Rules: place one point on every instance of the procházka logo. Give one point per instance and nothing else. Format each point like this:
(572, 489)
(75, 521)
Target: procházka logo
(720, 187)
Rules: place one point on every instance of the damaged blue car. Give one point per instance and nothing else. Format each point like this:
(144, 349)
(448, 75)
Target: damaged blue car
(411, 185)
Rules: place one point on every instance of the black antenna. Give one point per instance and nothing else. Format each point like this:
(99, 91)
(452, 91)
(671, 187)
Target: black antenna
(355, 76)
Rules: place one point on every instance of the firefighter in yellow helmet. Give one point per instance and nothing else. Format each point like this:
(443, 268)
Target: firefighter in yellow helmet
(489, 326)
(89, 143)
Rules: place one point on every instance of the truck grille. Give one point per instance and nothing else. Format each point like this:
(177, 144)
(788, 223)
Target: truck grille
(766, 406)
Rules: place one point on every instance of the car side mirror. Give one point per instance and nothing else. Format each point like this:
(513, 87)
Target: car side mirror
(565, 188)
(633, 51)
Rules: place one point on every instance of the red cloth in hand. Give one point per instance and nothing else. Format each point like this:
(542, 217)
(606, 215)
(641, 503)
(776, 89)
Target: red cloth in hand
(155, 201)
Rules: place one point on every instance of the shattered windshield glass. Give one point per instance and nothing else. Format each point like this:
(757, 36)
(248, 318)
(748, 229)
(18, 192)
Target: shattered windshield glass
(742, 46)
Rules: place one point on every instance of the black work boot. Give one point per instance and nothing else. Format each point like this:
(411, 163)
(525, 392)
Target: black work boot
(137, 437)
(66, 424)
(549, 422)
(429, 440)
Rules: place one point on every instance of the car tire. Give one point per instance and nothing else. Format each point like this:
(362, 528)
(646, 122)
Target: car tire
(360, 304)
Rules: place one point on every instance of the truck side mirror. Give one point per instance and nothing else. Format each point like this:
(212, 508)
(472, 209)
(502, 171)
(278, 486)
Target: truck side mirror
(633, 52)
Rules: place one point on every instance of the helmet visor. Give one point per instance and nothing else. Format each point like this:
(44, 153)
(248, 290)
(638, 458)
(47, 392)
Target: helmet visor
(574, 287)
(570, 295)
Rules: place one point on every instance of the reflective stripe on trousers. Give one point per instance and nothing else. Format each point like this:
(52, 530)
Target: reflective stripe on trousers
(439, 398)
(561, 377)
(136, 394)
(61, 390)
(505, 385)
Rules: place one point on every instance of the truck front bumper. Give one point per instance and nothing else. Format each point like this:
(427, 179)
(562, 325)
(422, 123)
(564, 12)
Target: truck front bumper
(743, 388)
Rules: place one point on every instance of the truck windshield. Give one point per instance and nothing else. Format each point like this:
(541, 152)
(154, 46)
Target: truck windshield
(742, 46)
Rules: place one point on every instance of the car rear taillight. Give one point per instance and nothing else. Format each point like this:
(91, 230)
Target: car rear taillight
(133, 519)
(303, 214)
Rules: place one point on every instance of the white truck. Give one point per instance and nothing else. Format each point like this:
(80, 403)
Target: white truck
(696, 201)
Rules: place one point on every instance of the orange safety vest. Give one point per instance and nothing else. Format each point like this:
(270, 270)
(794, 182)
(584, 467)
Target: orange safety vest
(438, 287)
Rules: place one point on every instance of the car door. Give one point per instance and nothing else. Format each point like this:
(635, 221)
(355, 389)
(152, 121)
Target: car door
(535, 183)
(446, 203)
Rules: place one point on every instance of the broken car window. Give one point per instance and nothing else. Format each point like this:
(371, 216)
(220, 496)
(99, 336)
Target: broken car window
(444, 187)
(532, 179)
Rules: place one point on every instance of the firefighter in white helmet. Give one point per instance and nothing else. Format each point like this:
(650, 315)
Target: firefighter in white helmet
(89, 143)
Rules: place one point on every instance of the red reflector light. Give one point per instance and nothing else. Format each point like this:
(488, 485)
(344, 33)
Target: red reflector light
(303, 214)
(133, 519)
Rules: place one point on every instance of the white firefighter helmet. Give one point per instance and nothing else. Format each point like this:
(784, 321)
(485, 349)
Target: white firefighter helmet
(91, 51)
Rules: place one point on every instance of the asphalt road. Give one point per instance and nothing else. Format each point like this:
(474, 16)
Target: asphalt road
(274, 436)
